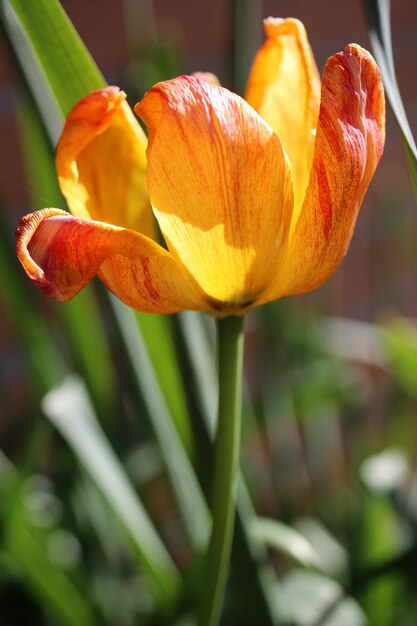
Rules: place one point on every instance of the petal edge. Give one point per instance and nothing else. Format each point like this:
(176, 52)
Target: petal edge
(61, 254)
(101, 162)
(284, 88)
(349, 144)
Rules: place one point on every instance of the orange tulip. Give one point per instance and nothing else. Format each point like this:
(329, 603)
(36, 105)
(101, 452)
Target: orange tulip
(255, 199)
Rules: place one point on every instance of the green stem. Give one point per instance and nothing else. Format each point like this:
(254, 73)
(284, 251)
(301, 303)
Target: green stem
(227, 445)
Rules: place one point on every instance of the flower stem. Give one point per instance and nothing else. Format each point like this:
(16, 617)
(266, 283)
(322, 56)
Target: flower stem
(226, 458)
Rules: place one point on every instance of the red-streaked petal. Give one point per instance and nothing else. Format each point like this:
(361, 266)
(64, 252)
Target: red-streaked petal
(101, 162)
(61, 254)
(350, 140)
(284, 87)
(221, 188)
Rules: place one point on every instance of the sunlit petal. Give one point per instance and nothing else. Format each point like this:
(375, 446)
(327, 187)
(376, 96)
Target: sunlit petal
(101, 162)
(349, 144)
(61, 254)
(220, 185)
(284, 87)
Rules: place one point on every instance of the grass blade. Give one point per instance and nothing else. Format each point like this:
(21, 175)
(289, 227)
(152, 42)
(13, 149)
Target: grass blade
(45, 363)
(69, 409)
(378, 17)
(157, 335)
(69, 68)
(24, 554)
(275, 534)
(191, 503)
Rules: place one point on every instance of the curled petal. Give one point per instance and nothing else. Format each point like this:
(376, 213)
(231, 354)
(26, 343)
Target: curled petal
(284, 87)
(101, 162)
(61, 254)
(349, 144)
(220, 186)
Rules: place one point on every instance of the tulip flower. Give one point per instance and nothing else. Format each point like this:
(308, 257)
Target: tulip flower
(254, 199)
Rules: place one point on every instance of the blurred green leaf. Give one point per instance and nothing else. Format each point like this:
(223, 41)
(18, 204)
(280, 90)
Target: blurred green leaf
(378, 16)
(246, 15)
(122, 592)
(279, 536)
(192, 505)
(386, 472)
(261, 600)
(26, 554)
(316, 600)
(399, 341)
(59, 596)
(38, 156)
(384, 534)
(333, 556)
(93, 359)
(68, 67)
(384, 601)
(69, 409)
(200, 345)
(46, 364)
(158, 338)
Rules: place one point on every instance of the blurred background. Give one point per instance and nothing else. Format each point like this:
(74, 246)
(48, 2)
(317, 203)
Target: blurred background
(330, 431)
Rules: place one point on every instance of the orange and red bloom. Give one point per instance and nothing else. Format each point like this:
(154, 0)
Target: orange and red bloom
(255, 199)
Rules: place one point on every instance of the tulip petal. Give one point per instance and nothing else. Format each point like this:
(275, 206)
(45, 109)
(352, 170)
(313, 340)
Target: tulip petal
(284, 88)
(220, 186)
(61, 254)
(349, 143)
(101, 162)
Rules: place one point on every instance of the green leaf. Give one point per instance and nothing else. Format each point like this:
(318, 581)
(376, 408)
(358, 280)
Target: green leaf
(191, 503)
(399, 340)
(47, 581)
(69, 409)
(158, 338)
(246, 31)
(275, 534)
(26, 554)
(202, 361)
(378, 16)
(385, 472)
(68, 67)
(38, 158)
(45, 363)
(262, 601)
(87, 338)
(315, 600)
